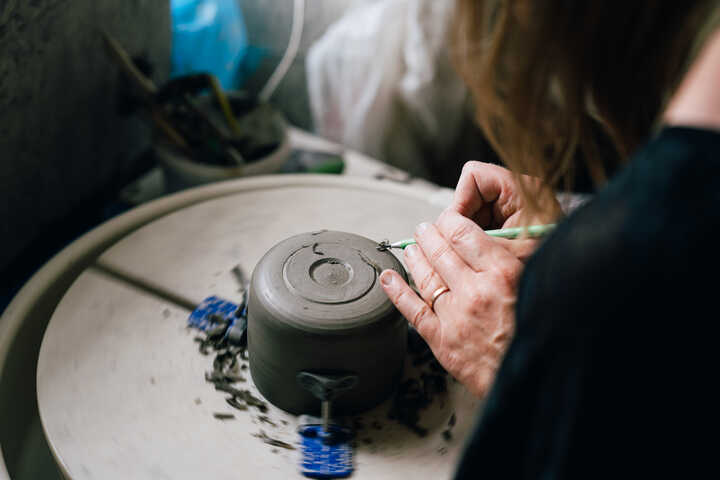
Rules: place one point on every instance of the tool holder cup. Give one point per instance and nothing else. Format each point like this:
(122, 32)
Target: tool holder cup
(316, 305)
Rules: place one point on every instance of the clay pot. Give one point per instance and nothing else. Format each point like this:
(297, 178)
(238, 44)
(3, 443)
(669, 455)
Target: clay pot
(316, 305)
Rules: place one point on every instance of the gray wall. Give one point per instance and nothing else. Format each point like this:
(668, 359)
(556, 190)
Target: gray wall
(61, 140)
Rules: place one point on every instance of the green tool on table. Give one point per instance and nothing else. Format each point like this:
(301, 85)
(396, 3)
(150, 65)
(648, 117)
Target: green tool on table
(533, 231)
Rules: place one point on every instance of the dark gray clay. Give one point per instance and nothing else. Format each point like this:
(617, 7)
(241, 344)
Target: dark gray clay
(316, 305)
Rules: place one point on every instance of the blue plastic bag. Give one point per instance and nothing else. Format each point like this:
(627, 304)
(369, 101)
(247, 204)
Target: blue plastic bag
(208, 36)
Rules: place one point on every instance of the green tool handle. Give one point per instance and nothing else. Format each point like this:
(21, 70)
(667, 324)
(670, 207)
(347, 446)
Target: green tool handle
(533, 231)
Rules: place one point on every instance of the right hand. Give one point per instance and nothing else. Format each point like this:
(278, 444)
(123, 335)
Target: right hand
(489, 195)
(469, 325)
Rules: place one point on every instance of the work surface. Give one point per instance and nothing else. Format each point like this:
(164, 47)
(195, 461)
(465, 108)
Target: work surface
(121, 386)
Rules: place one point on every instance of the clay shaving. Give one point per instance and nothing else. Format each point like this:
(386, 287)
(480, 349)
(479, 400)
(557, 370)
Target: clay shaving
(315, 250)
(273, 441)
(374, 265)
(224, 416)
(416, 394)
(226, 367)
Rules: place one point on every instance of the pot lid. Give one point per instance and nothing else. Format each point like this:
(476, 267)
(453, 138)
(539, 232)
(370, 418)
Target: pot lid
(323, 280)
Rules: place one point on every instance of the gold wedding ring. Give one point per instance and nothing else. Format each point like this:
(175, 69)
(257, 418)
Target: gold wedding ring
(436, 294)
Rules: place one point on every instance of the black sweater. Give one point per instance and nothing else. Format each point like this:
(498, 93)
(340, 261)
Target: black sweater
(611, 371)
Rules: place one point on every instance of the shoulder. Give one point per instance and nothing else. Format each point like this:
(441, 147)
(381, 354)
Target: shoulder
(678, 172)
(610, 330)
(647, 225)
(665, 186)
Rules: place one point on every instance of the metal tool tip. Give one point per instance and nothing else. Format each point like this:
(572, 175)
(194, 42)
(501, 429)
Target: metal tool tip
(384, 246)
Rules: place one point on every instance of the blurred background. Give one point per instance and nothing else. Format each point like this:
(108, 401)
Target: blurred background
(372, 75)
(107, 104)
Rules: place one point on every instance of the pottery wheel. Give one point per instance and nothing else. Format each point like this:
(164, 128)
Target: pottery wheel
(120, 381)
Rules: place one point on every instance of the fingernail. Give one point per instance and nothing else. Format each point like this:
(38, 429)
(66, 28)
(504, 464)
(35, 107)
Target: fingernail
(421, 228)
(410, 250)
(386, 278)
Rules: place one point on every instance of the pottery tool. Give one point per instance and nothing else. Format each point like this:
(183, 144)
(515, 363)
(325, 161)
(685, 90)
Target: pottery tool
(326, 449)
(533, 231)
(214, 312)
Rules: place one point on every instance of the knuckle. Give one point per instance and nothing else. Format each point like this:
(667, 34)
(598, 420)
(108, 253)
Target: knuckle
(460, 232)
(475, 166)
(465, 332)
(478, 302)
(438, 253)
(426, 281)
(471, 165)
(506, 272)
(401, 297)
(464, 200)
(419, 317)
(452, 361)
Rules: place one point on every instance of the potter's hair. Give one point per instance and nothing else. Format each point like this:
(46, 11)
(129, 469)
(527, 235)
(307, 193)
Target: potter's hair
(543, 72)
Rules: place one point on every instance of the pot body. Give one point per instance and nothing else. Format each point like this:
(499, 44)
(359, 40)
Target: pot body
(316, 305)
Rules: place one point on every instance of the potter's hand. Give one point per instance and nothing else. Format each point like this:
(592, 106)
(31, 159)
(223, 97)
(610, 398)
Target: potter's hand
(490, 196)
(469, 326)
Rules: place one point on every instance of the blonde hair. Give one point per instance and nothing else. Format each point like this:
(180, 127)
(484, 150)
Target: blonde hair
(543, 74)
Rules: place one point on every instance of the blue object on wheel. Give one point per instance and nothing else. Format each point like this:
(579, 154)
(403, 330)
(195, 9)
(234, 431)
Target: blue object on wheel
(326, 454)
(208, 36)
(202, 317)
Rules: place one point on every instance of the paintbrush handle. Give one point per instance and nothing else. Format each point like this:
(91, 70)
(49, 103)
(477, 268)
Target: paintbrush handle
(533, 231)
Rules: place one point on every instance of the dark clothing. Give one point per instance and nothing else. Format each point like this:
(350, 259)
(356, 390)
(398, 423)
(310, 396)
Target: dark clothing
(612, 368)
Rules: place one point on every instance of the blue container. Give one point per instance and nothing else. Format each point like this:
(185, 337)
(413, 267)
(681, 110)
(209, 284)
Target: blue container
(208, 36)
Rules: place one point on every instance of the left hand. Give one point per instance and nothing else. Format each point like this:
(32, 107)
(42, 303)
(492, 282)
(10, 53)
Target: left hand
(470, 326)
